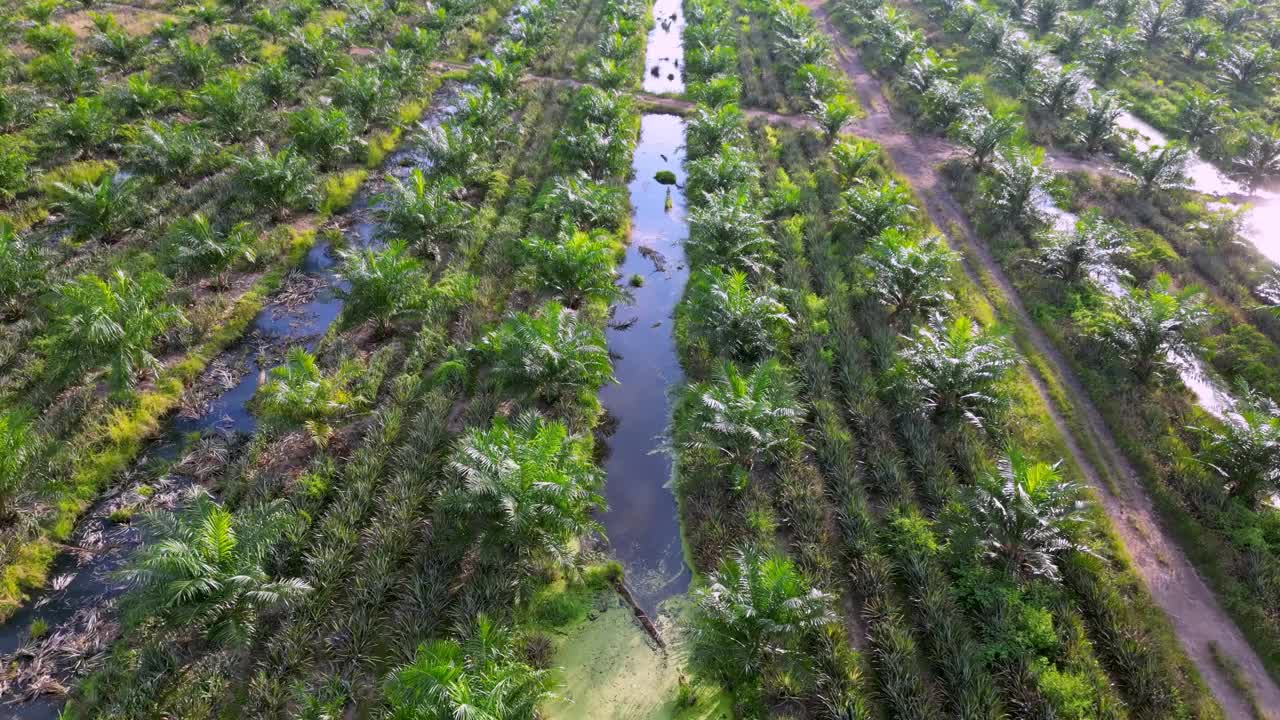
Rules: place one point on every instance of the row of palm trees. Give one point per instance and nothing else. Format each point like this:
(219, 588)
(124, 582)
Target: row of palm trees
(750, 420)
(1137, 333)
(1148, 328)
(514, 493)
(128, 185)
(1020, 524)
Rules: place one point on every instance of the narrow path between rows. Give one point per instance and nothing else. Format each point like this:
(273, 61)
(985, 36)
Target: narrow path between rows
(1173, 582)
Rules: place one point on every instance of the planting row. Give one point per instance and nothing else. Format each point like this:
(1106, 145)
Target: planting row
(360, 533)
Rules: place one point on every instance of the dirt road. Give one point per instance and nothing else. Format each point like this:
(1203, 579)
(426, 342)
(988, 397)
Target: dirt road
(1173, 582)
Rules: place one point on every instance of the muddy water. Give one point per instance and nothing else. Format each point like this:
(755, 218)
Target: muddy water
(663, 72)
(1209, 390)
(642, 520)
(1261, 225)
(1261, 220)
(78, 601)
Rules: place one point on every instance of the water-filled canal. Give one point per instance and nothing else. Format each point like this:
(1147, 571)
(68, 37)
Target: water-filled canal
(642, 521)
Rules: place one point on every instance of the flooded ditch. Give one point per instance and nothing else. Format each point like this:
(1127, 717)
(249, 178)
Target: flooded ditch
(73, 617)
(664, 55)
(642, 521)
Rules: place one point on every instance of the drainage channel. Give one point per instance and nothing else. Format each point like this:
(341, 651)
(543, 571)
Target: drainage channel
(642, 522)
(75, 609)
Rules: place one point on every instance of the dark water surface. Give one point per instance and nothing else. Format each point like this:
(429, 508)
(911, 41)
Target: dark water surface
(642, 521)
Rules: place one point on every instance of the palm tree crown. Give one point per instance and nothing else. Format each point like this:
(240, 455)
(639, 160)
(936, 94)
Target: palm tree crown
(479, 679)
(955, 368)
(753, 613)
(207, 570)
(1026, 515)
(527, 489)
(1245, 448)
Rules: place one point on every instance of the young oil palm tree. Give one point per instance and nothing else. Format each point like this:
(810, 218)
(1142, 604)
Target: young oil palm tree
(587, 203)
(955, 369)
(831, 115)
(283, 180)
(481, 678)
(1148, 327)
(192, 62)
(278, 83)
(851, 158)
(166, 151)
(1058, 91)
(497, 74)
(924, 69)
(1156, 21)
(576, 266)
(109, 322)
(728, 171)
(1197, 38)
(594, 148)
(1110, 53)
(716, 92)
(1160, 168)
(362, 92)
(1012, 192)
(82, 125)
(326, 135)
(1045, 14)
(64, 74)
(737, 321)
(144, 98)
(206, 571)
(1099, 122)
(908, 275)
(314, 51)
(527, 489)
(21, 272)
(727, 229)
(99, 210)
(427, 214)
(1244, 449)
(298, 391)
(710, 128)
(894, 39)
(1200, 116)
(230, 107)
(1026, 517)
(1019, 64)
(1259, 160)
(17, 449)
(384, 285)
(549, 355)
(1090, 251)
(742, 418)
(458, 150)
(866, 210)
(196, 245)
(989, 32)
(15, 165)
(984, 135)
(115, 45)
(753, 618)
(1244, 64)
